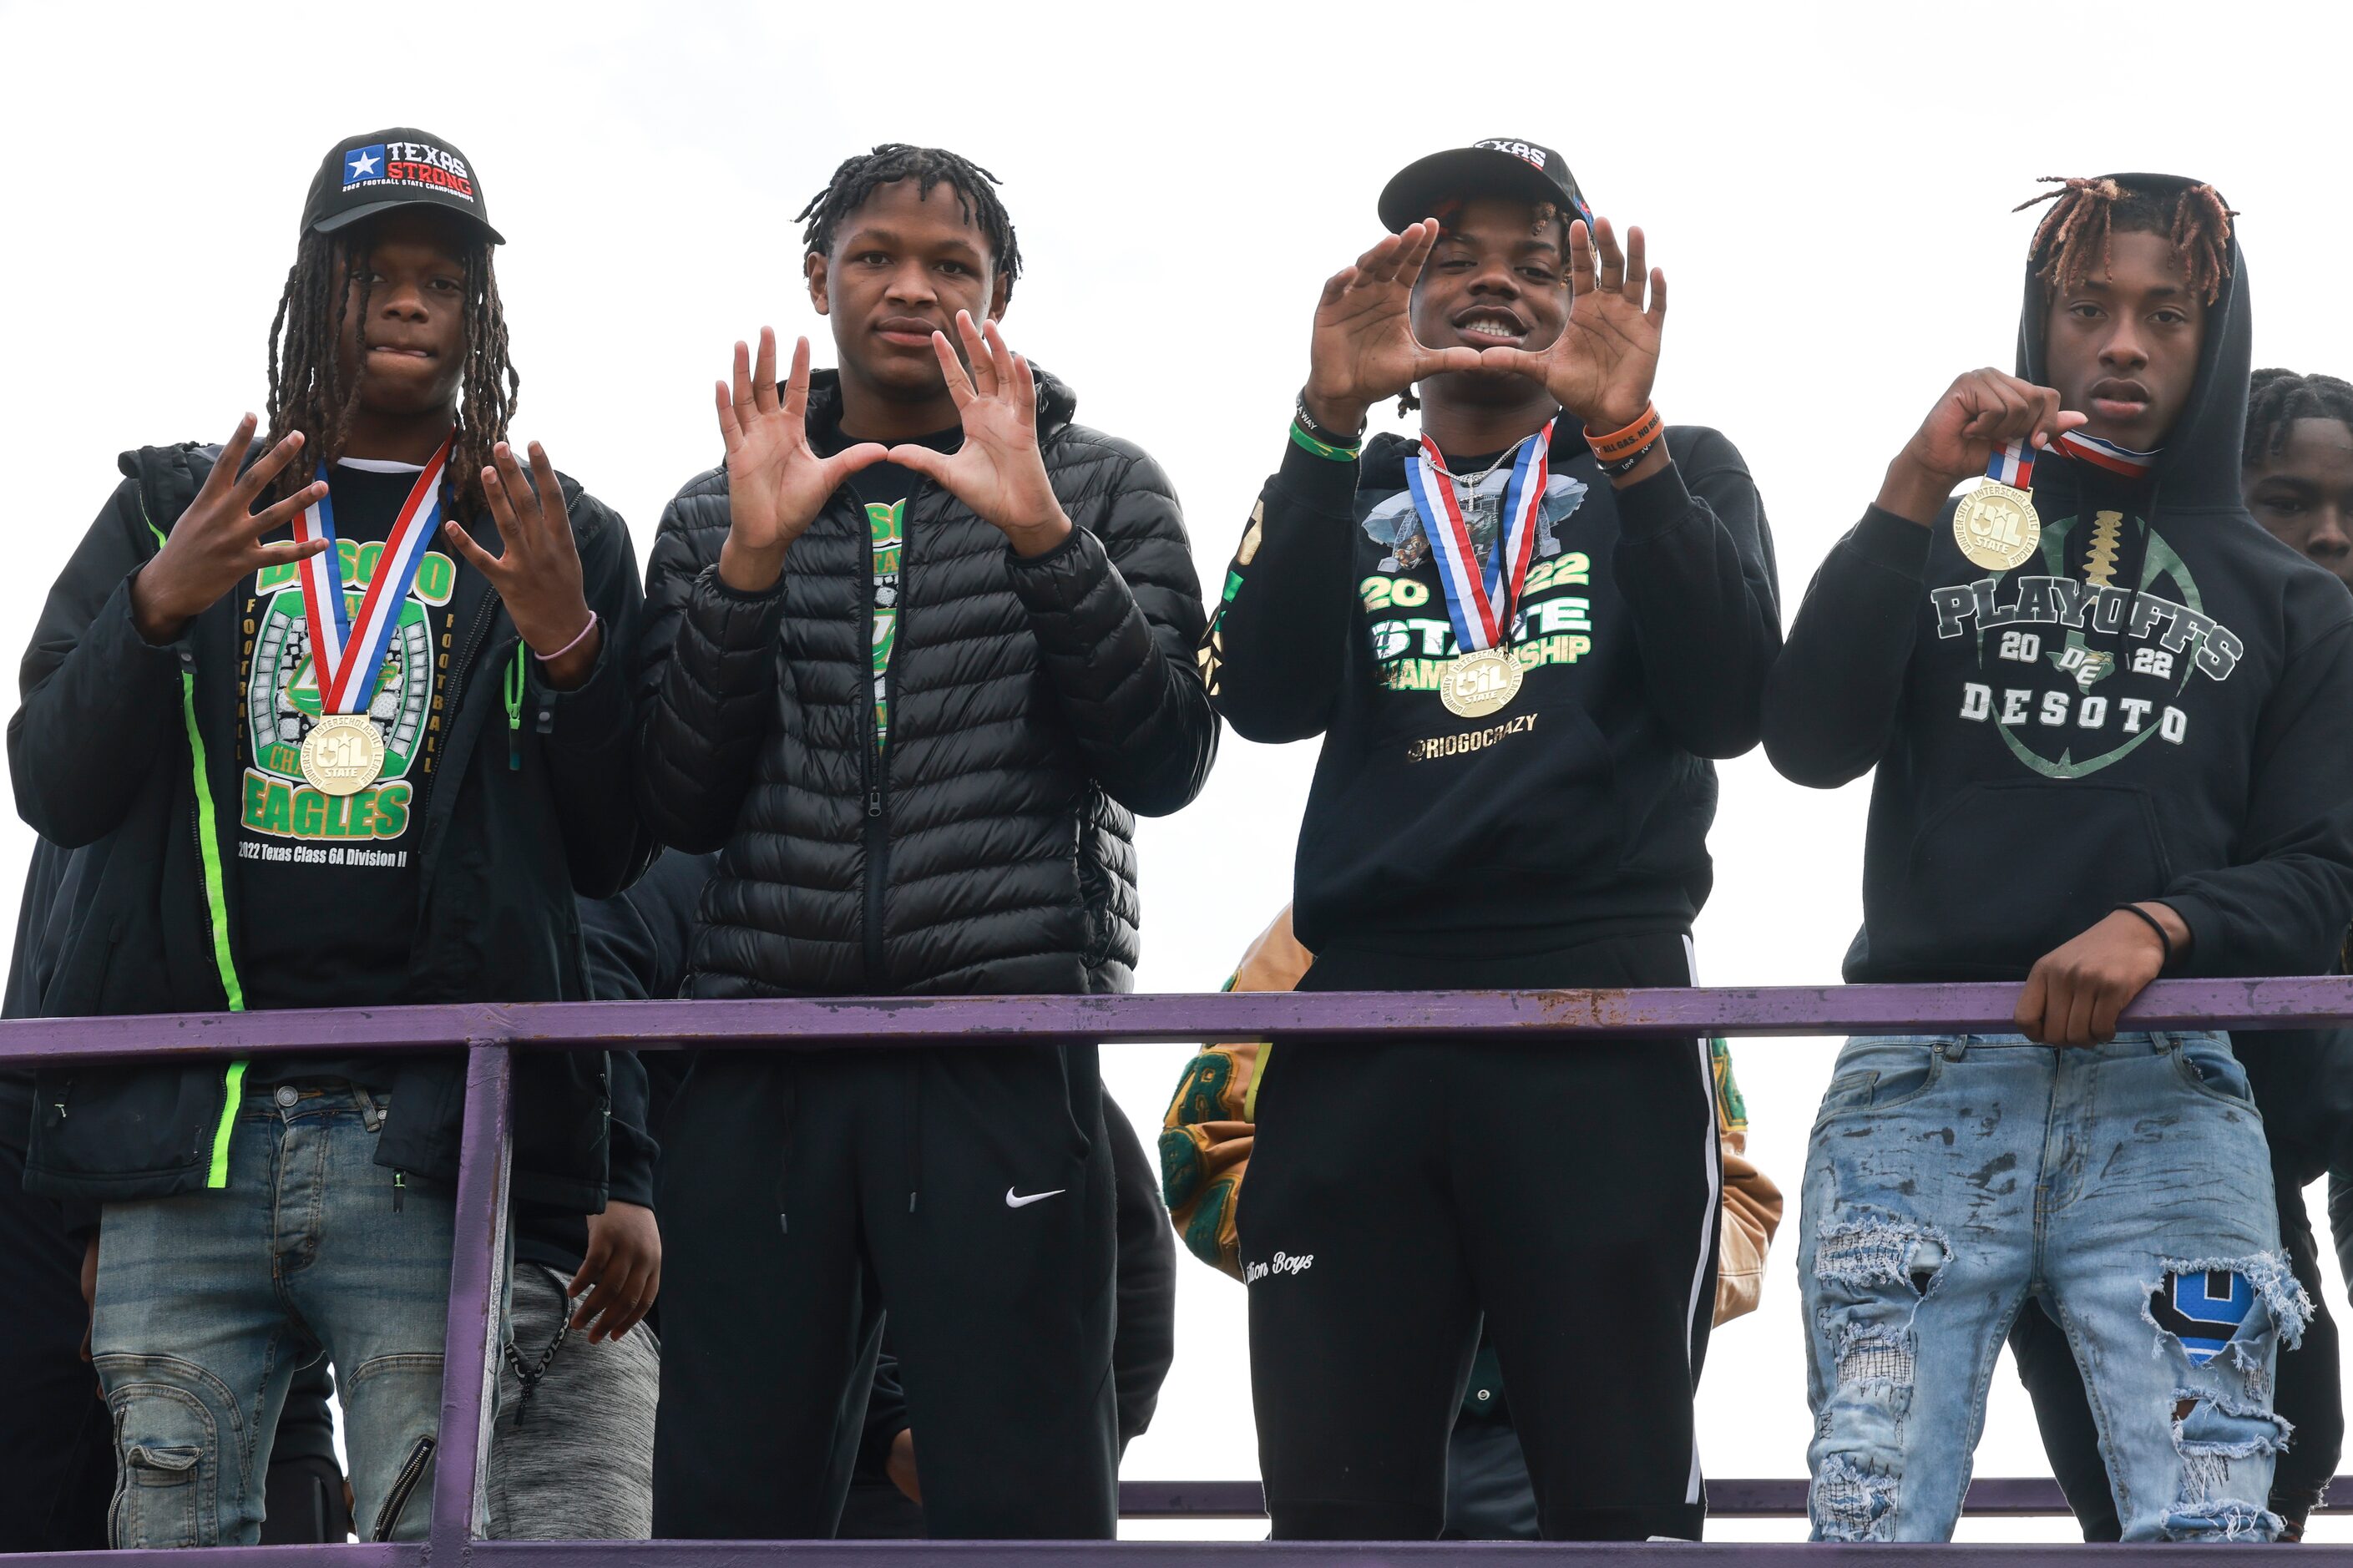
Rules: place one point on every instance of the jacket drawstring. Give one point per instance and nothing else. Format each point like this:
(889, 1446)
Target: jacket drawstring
(912, 1102)
(789, 1110)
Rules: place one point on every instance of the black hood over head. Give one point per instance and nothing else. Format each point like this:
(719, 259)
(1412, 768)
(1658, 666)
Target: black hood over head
(2200, 470)
(2154, 704)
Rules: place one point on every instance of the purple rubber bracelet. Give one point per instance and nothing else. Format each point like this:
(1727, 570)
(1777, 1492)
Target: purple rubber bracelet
(567, 647)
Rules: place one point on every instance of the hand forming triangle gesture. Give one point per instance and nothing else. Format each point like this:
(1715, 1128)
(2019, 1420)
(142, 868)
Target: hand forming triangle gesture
(777, 484)
(998, 472)
(1601, 366)
(1364, 351)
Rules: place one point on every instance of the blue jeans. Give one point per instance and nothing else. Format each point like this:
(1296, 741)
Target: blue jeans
(2128, 1187)
(207, 1303)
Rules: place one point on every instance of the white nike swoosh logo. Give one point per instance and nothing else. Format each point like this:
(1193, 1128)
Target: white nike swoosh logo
(1012, 1202)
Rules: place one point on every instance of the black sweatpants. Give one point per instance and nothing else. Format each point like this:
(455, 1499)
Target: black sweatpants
(1566, 1188)
(2303, 1083)
(967, 1191)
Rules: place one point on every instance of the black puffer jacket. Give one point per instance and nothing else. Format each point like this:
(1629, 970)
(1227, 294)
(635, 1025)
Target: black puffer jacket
(1035, 706)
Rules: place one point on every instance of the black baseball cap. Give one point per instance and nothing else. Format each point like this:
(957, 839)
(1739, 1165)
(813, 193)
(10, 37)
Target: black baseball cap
(1499, 165)
(381, 170)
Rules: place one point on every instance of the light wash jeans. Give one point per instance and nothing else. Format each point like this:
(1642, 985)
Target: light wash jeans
(207, 1303)
(2127, 1186)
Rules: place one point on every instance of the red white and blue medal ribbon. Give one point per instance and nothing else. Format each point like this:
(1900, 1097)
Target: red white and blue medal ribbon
(1481, 597)
(348, 653)
(2105, 454)
(2012, 465)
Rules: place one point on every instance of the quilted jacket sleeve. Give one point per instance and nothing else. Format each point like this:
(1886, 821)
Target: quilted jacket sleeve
(706, 676)
(1116, 608)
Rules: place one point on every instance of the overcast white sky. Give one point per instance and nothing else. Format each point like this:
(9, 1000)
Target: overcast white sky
(1827, 187)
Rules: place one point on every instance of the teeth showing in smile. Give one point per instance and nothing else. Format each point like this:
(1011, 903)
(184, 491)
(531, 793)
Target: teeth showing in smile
(1490, 328)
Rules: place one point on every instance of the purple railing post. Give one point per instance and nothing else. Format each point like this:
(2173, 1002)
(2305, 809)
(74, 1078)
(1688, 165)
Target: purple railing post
(478, 1260)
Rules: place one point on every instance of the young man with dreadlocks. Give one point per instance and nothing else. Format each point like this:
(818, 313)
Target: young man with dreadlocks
(2109, 719)
(2297, 472)
(309, 761)
(1521, 638)
(916, 656)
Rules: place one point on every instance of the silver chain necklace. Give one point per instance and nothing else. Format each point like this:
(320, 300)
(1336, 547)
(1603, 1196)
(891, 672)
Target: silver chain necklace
(1477, 509)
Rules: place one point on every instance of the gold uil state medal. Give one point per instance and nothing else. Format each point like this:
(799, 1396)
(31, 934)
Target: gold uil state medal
(1996, 527)
(1477, 684)
(342, 755)
(1482, 601)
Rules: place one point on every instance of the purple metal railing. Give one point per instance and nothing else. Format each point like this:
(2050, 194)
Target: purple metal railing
(490, 1033)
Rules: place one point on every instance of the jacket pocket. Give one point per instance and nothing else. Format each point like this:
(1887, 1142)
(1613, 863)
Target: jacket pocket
(141, 1131)
(1573, 793)
(2000, 874)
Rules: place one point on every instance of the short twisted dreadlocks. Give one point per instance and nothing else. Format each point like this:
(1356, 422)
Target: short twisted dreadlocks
(307, 390)
(2277, 398)
(2072, 241)
(859, 177)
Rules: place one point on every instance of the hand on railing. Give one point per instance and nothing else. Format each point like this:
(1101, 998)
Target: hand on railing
(2076, 992)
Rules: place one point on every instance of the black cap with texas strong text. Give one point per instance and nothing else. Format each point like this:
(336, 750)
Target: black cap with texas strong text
(1500, 165)
(403, 167)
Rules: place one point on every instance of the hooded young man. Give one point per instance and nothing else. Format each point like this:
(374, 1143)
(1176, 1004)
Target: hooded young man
(917, 656)
(275, 805)
(2297, 472)
(1521, 639)
(2109, 722)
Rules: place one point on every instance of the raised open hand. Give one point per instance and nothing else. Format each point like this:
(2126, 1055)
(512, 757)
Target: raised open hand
(998, 472)
(1980, 413)
(538, 577)
(1364, 350)
(218, 539)
(1601, 366)
(777, 484)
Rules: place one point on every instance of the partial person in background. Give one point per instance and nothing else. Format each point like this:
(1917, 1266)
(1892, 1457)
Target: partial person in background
(2297, 469)
(2296, 475)
(2109, 720)
(310, 761)
(917, 655)
(1205, 1149)
(572, 1451)
(886, 1488)
(1521, 639)
(308, 1497)
(57, 1441)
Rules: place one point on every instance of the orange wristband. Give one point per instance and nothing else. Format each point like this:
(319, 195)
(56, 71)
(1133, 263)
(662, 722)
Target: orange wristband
(1620, 444)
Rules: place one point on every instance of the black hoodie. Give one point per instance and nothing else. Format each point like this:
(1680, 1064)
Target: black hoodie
(2158, 706)
(1580, 811)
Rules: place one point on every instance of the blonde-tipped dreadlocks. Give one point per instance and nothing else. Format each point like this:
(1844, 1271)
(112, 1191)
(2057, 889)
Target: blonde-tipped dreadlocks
(2072, 241)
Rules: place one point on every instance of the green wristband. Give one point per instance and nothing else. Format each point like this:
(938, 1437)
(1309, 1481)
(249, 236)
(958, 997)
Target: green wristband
(1307, 443)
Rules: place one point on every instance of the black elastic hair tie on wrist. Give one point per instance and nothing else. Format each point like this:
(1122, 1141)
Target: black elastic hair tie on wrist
(2156, 925)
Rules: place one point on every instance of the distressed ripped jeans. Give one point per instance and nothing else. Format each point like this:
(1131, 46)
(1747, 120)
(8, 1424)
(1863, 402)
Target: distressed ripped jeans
(1949, 1179)
(207, 1303)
